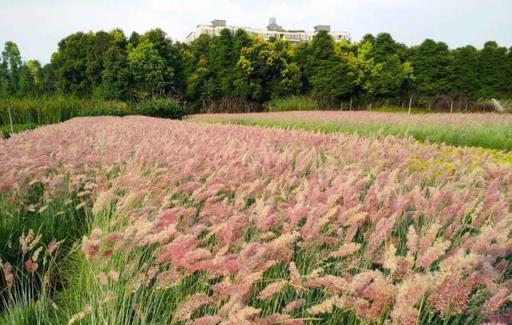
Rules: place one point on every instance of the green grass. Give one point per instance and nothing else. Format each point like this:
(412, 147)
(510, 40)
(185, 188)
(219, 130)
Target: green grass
(399, 109)
(497, 136)
(30, 300)
(7, 130)
(28, 113)
(293, 103)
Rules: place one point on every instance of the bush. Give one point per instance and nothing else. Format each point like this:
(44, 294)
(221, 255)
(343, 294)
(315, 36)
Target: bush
(161, 107)
(293, 103)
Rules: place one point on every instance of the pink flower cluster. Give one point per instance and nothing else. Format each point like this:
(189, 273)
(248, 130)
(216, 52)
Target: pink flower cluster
(233, 202)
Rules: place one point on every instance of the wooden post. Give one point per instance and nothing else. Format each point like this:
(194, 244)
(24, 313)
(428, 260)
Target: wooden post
(370, 107)
(350, 107)
(10, 120)
(451, 107)
(410, 105)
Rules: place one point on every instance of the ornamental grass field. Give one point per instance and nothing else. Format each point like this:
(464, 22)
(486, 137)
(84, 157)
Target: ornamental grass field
(136, 220)
(485, 130)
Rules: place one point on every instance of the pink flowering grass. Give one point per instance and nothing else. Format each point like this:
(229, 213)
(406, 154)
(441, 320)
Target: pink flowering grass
(485, 130)
(222, 224)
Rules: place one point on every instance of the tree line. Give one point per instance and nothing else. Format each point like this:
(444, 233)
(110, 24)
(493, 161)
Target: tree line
(236, 71)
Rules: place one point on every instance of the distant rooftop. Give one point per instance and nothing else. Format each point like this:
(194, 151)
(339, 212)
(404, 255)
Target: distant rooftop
(273, 30)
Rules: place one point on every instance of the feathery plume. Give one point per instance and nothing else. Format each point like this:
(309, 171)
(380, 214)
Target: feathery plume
(272, 289)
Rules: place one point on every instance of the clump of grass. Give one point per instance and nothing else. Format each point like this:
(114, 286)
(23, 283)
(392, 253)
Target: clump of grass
(293, 103)
(36, 236)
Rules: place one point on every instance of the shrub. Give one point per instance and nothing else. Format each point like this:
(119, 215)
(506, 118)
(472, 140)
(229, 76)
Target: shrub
(161, 107)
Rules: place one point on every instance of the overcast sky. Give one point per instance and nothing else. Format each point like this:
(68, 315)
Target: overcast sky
(37, 25)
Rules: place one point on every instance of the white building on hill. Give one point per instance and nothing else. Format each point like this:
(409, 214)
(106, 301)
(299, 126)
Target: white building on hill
(273, 30)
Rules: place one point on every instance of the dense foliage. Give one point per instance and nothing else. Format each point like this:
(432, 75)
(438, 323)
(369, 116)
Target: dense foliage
(238, 72)
(149, 221)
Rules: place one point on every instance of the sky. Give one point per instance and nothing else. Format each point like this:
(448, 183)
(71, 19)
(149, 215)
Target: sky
(38, 25)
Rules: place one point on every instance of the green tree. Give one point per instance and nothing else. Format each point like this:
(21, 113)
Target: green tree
(430, 62)
(329, 75)
(134, 39)
(290, 82)
(385, 46)
(115, 77)
(241, 40)
(70, 64)
(300, 56)
(11, 65)
(196, 70)
(48, 80)
(380, 67)
(99, 44)
(261, 67)
(30, 79)
(170, 53)
(367, 71)
(464, 77)
(394, 76)
(369, 38)
(492, 68)
(150, 73)
(222, 65)
(4, 78)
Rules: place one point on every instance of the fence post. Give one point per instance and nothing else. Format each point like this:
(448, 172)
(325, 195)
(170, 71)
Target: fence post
(410, 105)
(451, 107)
(350, 108)
(10, 119)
